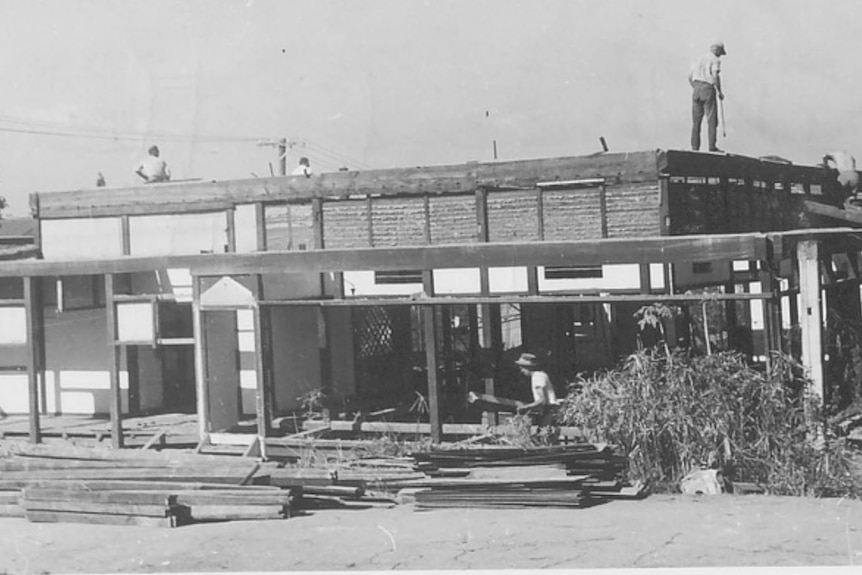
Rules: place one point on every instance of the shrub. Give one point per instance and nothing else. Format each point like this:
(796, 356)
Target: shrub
(671, 412)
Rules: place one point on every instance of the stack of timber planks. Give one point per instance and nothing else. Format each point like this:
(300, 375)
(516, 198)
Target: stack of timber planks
(137, 488)
(567, 476)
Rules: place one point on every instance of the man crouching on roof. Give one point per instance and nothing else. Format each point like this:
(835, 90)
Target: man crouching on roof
(543, 408)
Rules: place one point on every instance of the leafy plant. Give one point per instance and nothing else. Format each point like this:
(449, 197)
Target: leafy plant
(312, 403)
(673, 413)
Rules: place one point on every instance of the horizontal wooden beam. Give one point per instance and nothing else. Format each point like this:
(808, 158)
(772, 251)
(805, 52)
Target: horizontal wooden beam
(453, 179)
(569, 298)
(680, 163)
(850, 217)
(666, 249)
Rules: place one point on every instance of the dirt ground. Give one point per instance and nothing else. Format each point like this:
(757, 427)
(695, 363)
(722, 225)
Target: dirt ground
(660, 531)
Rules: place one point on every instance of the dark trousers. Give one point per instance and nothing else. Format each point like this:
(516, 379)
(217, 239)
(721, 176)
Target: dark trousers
(703, 102)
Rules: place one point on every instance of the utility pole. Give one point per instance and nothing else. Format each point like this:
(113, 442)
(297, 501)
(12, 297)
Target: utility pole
(282, 144)
(282, 156)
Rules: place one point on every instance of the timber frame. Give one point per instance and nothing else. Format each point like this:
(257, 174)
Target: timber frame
(764, 238)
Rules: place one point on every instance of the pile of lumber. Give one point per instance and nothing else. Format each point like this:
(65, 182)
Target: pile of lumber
(139, 488)
(502, 477)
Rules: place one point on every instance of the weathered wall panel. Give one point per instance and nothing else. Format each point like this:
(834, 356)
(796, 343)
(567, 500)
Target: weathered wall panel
(513, 217)
(573, 214)
(345, 224)
(289, 227)
(453, 219)
(633, 211)
(398, 222)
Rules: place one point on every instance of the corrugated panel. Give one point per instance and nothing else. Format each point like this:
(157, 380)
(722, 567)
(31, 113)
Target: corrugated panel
(633, 211)
(453, 219)
(345, 224)
(398, 222)
(512, 216)
(573, 214)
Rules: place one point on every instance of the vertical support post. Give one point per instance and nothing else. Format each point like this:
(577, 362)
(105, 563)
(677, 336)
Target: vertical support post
(427, 209)
(114, 350)
(230, 217)
(282, 156)
(603, 209)
(369, 216)
(810, 313)
(133, 369)
(771, 331)
(264, 422)
(200, 360)
(317, 222)
(429, 330)
(260, 226)
(126, 234)
(645, 279)
(35, 346)
(487, 311)
(533, 271)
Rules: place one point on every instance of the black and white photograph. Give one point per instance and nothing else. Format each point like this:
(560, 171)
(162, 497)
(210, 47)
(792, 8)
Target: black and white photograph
(297, 286)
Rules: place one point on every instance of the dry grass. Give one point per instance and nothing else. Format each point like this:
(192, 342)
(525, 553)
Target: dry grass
(672, 412)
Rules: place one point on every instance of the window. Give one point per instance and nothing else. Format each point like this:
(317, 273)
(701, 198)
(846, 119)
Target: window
(573, 272)
(398, 277)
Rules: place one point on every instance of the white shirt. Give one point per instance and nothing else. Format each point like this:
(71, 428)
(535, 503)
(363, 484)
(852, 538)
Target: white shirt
(841, 161)
(301, 170)
(705, 69)
(543, 390)
(154, 169)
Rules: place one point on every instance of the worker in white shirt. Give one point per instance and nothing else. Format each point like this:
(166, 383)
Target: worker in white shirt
(303, 169)
(544, 405)
(843, 167)
(705, 80)
(152, 168)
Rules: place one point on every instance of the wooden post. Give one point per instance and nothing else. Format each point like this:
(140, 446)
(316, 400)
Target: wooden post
(533, 271)
(429, 330)
(133, 369)
(260, 226)
(810, 313)
(282, 156)
(230, 217)
(126, 234)
(264, 422)
(644, 279)
(201, 382)
(487, 310)
(369, 216)
(116, 407)
(771, 331)
(603, 210)
(35, 357)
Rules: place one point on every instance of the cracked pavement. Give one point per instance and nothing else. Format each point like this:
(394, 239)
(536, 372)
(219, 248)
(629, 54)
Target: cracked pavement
(660, 531)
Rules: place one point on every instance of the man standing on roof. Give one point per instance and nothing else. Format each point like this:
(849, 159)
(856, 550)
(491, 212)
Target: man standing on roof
(842, 166)
(705, 80)
(152, 168)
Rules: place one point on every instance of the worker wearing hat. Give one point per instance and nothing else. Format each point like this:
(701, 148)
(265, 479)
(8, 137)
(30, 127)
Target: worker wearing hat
(705, 80)
(544, 403)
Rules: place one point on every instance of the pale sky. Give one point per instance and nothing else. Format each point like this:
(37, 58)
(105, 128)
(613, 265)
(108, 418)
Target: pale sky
(394, 83)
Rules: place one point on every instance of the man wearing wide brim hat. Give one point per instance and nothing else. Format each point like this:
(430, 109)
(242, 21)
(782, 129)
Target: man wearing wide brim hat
(544, 403)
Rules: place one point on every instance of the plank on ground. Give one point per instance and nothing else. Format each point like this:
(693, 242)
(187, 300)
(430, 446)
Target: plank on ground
(237, 512)
(75, 506)
(98, 518)
(135, 485)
